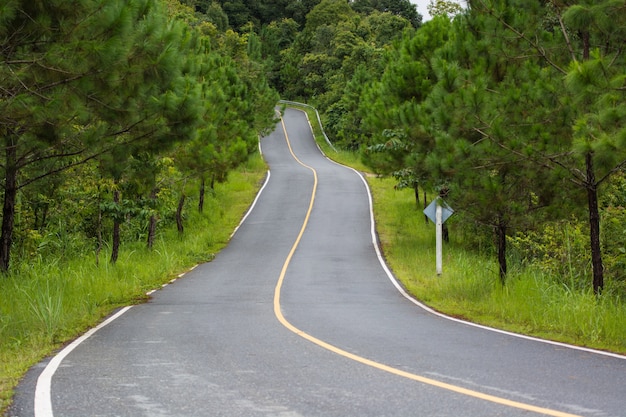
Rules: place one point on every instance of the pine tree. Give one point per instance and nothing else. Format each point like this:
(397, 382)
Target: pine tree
(582, 43)
(392, 109)
(82, 78)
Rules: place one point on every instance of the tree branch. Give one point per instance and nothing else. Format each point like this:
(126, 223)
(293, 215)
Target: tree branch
(82, 161)
(545, 161)
(520, 35)
(566, 36)
(618, 167)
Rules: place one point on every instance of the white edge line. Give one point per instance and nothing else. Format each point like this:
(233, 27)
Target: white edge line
(409, 297)
(43, 399)
(406, 295)
(256, 199)
(43, 396)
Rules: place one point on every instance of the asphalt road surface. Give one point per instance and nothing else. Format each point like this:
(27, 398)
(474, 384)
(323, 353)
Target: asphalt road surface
(298, 317)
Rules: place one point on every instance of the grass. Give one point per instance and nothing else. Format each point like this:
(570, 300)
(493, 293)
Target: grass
(530, 303)
(45, 304)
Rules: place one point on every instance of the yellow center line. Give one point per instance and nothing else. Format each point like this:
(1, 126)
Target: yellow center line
(368, 362)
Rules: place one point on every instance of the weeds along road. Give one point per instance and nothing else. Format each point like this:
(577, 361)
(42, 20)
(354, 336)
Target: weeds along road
(297, 317)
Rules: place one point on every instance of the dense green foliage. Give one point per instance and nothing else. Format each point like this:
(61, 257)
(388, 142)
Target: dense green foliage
(516, 125)
(109, 111)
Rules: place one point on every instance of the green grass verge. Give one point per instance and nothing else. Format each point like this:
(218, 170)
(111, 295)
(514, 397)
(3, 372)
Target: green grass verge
(44, 305)
(530, 303)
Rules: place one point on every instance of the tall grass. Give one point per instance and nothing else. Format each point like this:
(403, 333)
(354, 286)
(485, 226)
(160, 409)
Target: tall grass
(531, 302)
(49, 301)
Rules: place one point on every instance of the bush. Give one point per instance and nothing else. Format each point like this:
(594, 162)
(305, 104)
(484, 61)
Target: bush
(559, 249)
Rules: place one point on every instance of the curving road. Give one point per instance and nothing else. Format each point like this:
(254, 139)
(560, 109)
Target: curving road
(298, 317)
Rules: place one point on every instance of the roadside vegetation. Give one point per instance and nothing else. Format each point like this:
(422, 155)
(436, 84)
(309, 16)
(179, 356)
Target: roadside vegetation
(534, 301)
(124, 125)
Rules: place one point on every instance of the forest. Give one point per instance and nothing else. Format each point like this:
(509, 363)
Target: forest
(117, 117)
(108, 112)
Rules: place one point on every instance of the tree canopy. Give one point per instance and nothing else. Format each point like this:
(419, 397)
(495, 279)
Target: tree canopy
(110, 84)
(518, 109)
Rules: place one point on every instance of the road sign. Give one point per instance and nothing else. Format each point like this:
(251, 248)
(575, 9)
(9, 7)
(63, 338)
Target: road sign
(431, 210)
(438, 212)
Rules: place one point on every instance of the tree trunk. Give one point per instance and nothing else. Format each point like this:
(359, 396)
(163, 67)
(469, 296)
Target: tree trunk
(152, 222)
(179, 214)
(115, 249)
(44, 215)
(501, 237)
(151, 231)
(99, 233)
(586, 37)
(201, 196)
(8, 209)
(594, 226)
(40, 215)
(425, 205)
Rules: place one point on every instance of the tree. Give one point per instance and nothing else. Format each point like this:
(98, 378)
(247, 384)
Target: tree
(454, 104)
(298, 9)
(395, 140)
(276, 37)
(598, 80)
(238, 12)
(480, 114)
(81, 79)
(238, 106)
(444, 7)
(582, 41)
(402, 8)
(217, 16)
(328, 13)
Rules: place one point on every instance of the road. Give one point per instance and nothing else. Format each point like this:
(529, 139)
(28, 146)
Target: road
(297, 316)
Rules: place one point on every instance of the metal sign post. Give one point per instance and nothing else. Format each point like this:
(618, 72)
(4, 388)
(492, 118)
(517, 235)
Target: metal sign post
(438, 212)
(439, 238)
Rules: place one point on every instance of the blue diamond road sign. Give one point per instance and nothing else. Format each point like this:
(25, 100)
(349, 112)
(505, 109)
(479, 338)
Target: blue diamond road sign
(431, 210)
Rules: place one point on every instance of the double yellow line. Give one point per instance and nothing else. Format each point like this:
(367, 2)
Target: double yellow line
(368, 362)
